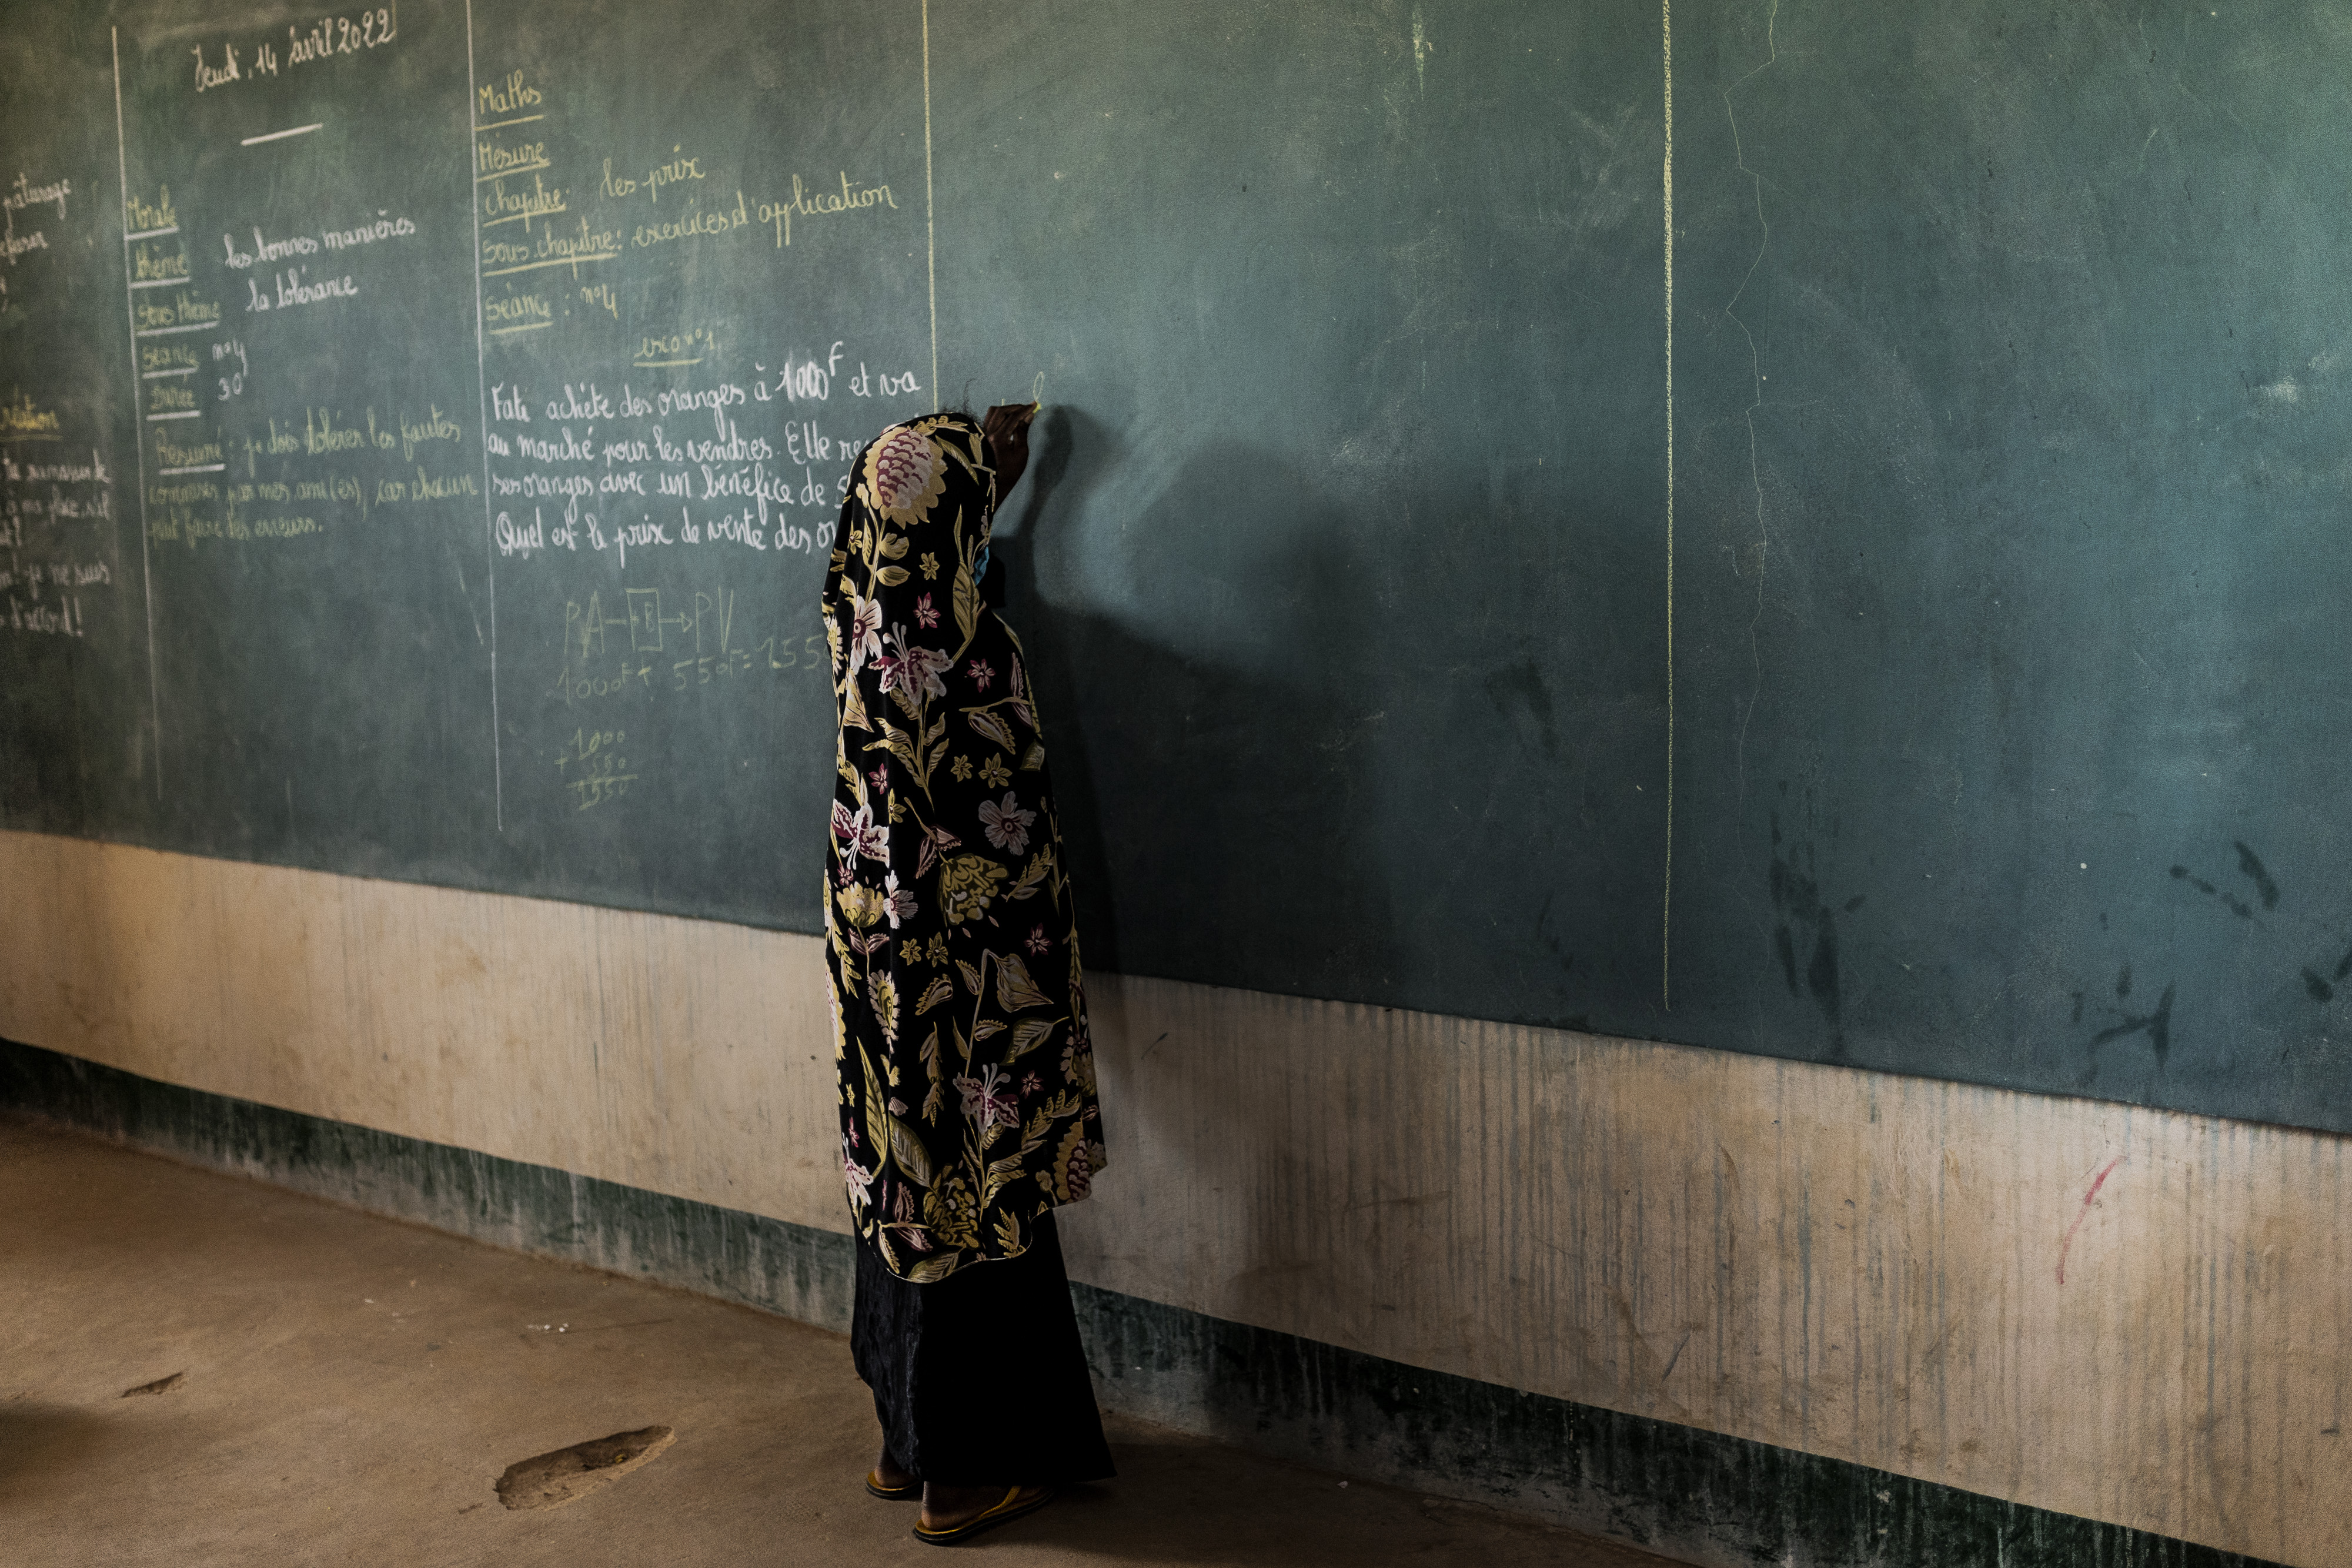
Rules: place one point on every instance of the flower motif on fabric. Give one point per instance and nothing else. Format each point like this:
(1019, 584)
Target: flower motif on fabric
(898, 903)
(864, 633)
(860, 905)
(1075, 1164)
(967, 885)
(952, 1213)
(988, 1099)
(1006, 825)
(904, 473)
(913, 669)
(858, 833)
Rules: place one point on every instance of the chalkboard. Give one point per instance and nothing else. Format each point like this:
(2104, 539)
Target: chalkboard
(1882, 607)
(2010, 401)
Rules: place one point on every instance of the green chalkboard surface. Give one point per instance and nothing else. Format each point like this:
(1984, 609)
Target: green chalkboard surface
(1807, 528)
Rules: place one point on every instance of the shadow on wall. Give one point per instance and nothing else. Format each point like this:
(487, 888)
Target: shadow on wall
(1247, 756)
(1362, 719)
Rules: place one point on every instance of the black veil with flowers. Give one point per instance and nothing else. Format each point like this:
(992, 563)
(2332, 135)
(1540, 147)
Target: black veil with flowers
(967, 1075)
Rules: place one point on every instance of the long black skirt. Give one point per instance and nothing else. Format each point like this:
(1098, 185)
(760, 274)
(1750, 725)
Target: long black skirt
(979, 1379)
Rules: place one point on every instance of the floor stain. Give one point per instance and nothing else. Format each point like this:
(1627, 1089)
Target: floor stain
(550, 1480)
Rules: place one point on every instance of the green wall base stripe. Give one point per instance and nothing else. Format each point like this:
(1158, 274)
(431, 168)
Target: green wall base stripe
(1725, 1502)
(770, 1263)
(1717, 1501)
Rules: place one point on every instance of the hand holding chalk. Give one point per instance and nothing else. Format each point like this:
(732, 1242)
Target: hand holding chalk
(1007, 428)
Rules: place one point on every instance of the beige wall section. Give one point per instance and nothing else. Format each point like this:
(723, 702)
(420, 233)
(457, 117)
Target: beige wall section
(685, 1056)
(1849, 1263)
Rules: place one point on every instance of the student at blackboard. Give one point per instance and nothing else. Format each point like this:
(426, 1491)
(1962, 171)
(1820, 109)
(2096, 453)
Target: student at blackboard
(967, 1108)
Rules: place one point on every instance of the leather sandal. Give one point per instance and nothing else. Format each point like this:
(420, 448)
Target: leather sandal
(1012, 1507)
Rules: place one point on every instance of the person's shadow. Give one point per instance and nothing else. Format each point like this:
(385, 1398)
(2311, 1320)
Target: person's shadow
(1215, 805)
(1174, 769)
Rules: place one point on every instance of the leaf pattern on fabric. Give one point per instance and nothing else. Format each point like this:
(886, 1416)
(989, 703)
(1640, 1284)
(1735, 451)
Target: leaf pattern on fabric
(989, 725)
(935, 838)
(1015, 990)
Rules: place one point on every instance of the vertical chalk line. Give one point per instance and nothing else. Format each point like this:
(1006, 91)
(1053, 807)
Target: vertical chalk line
(482, 390)
(138, 446)
(1756, 371)
(1666, 918)
(930, 226)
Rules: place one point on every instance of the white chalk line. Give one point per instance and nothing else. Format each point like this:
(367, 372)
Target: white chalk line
(1666, 177)
(139, 447)
(281, 135)
(1756, 371)
(482, 393)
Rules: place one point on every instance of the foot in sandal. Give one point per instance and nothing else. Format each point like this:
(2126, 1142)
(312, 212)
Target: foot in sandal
(953, 1514)
(887, 1481)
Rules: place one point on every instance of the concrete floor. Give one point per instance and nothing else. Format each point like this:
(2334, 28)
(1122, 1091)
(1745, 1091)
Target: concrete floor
(353, 1387)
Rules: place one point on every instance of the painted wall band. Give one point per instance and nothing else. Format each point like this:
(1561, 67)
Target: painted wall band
(2099, 1310)
(1717, 1501)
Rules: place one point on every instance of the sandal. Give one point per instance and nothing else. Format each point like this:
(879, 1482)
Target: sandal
(1012, 1507)
(911, 1492)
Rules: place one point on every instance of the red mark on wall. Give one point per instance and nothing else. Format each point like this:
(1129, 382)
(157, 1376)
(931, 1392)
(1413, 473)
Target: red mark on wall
(2085, 1213)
